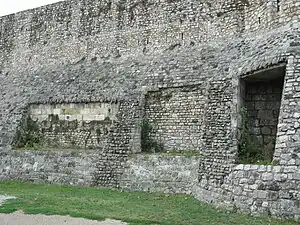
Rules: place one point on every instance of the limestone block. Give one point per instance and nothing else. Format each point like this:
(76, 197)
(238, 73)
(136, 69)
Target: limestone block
(261, 194)
(247, 167)
(296, 115)
(43, 117)
(290, 169)
(254, 167)
(262, 168)
(57, 111)
(61, 117)
(286, 206)
(99, 117)
(70, 111)
(267, 176)
(296, 176)
(244, 181)
(280, 177)
(78, 117)
(85, 111)
(291, 162)
(88, 117)
(36, 111)
(277, 169)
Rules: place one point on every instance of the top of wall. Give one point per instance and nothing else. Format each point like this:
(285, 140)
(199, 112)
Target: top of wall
(125, 27)
(137, 22)
(144, 13)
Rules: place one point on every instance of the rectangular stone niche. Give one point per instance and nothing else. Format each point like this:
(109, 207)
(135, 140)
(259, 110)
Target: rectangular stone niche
(260, 105)
(175, 116)
(69, 125)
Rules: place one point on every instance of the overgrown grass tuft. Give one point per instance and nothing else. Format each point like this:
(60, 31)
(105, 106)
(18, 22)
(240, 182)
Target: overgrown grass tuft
(135, 208)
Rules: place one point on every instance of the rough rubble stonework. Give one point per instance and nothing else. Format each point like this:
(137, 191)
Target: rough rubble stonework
(177, 64)
(160, 173)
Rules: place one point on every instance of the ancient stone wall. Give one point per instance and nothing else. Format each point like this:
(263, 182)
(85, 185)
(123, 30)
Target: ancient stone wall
(265, 15)
(72, 167)
(160, 173)
(121, 141)
(287, 142)
(176, 116)
(270, 190)
(103, 28)
(83, 52)
(101, 165)
(218, 137)
(71, 125)
(37, 45)
(257, 190)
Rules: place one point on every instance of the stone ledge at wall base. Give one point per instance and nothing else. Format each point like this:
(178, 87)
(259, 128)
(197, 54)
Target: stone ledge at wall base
(139, 172)
(259, 190)
(160, 173)
(54, 167)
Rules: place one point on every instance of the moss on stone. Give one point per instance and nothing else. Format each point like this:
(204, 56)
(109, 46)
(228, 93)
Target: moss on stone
(28, 134)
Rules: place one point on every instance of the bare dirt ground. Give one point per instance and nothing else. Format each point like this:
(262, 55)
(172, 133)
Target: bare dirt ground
(19, 218)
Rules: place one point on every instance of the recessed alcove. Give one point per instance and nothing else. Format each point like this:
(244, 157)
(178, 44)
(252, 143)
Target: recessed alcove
(260, 97)
(67, 125)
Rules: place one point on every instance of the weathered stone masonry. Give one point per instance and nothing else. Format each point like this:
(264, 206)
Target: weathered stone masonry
(178, 64)
(176, 107)
(75, 125)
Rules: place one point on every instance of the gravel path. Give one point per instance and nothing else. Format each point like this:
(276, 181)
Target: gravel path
(19, 218)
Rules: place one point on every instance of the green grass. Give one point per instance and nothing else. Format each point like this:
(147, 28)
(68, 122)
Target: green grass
(135, 208)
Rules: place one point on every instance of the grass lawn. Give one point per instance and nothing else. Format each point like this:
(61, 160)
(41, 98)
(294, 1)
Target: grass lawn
(135, 208)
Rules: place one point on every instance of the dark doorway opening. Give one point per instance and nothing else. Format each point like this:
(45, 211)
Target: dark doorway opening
(260, 105)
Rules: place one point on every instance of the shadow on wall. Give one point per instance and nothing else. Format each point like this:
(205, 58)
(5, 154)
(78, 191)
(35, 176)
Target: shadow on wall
(260, 105)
